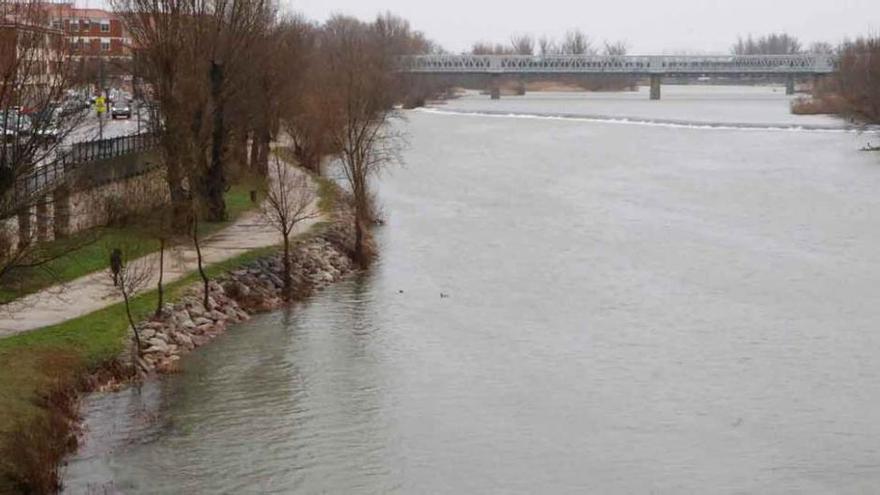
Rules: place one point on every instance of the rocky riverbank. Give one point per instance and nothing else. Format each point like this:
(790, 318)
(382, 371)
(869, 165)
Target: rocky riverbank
(317, 261)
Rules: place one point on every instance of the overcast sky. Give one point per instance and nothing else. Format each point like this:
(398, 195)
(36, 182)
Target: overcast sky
(649, 26)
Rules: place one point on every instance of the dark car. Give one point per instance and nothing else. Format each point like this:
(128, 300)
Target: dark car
(123, 109)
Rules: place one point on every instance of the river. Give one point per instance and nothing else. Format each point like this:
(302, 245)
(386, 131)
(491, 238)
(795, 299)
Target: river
(643, 297)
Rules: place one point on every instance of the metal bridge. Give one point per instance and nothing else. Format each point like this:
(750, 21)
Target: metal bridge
(655, 67)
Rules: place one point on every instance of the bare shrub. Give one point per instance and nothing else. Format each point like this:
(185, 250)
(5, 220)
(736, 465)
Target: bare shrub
(289, 201)
(130, 276)
(858, 78)
(818, 105)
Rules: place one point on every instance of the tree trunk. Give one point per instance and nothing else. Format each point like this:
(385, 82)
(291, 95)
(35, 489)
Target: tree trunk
(205, 281)
(180, 205)
(262, 141)
(255, 151)
(161, 290)
(360, 256)
(137, 335)
(215, 179)
(25, 229)
(288, 281)
(241, 149)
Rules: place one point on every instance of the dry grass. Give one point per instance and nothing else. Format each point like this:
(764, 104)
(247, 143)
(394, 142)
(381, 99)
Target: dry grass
(31, 453)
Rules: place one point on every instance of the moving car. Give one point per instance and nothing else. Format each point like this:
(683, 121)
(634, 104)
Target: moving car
(123, 109)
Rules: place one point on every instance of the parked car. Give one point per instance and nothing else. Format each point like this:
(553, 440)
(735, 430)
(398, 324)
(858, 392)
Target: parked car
(122, 109)
(45, 124)
(14, 123)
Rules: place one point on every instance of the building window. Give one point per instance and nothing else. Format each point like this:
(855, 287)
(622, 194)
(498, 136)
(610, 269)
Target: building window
(105, 26)
(83, 24)
(80, 44)
(105, 44)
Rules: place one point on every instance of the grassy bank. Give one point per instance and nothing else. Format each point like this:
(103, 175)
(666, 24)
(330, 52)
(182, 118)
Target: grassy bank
(37, 364)
(88, 252)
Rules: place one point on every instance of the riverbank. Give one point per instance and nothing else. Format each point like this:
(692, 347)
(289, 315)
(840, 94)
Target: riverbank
(46, 371)
(319, 259)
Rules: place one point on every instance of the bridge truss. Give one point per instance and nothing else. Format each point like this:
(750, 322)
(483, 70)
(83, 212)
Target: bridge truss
(634, 65)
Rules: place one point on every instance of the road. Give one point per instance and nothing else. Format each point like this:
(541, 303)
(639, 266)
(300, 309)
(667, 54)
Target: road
(90, 130)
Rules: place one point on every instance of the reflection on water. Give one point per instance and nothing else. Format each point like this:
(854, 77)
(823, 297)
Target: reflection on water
(632, 309)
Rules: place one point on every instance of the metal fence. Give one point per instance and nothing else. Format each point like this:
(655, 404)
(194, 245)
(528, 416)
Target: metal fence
(103, 149)
(72, 158)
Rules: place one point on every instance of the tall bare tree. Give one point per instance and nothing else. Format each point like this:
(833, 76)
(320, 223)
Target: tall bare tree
(616, 48)
(522, 44)
(360, 97)
(576, 43)
(195, 56)
(547, 46)
(289, 201)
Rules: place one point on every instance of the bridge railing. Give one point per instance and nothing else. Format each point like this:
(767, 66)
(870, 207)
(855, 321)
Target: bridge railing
(724, 64)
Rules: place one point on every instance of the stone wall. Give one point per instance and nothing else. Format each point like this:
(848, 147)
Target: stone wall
(124, 185)
(95, 206)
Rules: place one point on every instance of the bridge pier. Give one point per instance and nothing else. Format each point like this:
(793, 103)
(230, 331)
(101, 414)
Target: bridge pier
(656, 80)
(789, 85)
(495, 86)
(817, 82)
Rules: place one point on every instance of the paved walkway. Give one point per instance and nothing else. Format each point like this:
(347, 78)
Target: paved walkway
(95, 291)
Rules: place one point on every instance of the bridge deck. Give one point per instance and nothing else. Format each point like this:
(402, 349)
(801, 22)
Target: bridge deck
(637, 65)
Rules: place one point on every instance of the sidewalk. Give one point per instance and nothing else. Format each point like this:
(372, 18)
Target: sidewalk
(95, 291)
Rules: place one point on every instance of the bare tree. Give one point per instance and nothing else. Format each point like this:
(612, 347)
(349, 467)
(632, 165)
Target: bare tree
(129, 277)
(771, 44)
(577, 43)
(289, 201)
(822, 48)
(617, 48)
(359, 95)
(197, 244)
(486, 48)
(522, 44)
(547, 46)
(195, 55)
(858, 79)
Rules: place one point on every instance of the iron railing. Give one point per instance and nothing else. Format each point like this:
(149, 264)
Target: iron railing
(44, 178)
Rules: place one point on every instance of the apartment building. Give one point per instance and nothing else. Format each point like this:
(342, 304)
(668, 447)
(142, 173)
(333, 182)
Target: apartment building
(96, 39)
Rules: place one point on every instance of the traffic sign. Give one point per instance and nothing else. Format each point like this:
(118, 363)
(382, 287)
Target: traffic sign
(100, 105)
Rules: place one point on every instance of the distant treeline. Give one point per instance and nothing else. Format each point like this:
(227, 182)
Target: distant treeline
(575, 42)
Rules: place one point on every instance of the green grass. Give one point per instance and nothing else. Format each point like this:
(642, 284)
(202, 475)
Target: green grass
(89, 252)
